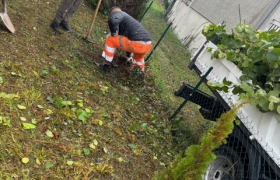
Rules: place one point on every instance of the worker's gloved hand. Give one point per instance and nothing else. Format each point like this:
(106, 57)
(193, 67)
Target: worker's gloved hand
(129, 61)
(129, 58)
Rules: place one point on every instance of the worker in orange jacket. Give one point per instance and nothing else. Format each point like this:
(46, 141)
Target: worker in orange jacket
(127, 34)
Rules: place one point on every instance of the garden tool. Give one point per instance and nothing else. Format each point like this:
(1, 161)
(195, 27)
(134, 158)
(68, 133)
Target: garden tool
(5, 18)
(92, 22)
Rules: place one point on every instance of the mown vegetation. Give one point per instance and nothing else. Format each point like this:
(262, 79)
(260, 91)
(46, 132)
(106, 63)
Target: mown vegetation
(63, 118)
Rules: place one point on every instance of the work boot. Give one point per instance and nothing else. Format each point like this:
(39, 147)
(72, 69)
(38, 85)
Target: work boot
(55, 26)
(66, 27)
(104, 65)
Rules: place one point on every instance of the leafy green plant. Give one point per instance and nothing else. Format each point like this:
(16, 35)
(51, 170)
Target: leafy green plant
(197, 157)
(257, 55)
(5, 121)
(45, 71)
(54, 69)
(81, 114)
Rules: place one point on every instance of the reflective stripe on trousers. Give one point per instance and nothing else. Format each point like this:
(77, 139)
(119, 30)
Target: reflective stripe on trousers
(139, 49)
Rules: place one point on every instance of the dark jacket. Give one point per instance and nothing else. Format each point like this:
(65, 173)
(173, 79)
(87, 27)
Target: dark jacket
(123, 24)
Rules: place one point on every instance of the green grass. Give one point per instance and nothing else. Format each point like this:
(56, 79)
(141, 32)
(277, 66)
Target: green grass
(169, 65)
(49, 81)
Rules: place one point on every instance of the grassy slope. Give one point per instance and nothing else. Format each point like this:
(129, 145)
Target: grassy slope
(40, 66)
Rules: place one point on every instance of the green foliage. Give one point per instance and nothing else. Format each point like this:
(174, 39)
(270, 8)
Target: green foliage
(81, 114)
(138, 7)
(256, 54)
(198, 157)
(5, 121)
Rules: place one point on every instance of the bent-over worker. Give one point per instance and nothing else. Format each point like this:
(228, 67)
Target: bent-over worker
(128, 34)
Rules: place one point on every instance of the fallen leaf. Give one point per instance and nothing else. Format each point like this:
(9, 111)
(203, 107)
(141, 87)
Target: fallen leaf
(105, 150)
(92, 146)
(86, 151)
(132, 146)
(45, 128)
(49, 133)
(21, 106)
(33, 121)
(48, 165)
(70, 163)
(95, 142)
(48, 111)
(25, 160)
(55, 135)
(22, 118)
(39, 106)
(38, 161)
(100, 123)
(63, 148)
(120, 159)
(28, 126)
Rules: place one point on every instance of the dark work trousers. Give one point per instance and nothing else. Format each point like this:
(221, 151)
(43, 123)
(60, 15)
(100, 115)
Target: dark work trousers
(66, 9)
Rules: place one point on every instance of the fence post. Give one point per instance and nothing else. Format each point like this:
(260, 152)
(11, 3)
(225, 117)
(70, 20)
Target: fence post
(146, 11)
(158, 42)
(193, 91)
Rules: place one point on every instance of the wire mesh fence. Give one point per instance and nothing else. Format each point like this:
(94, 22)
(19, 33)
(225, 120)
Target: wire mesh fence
(244, 157)
(168, 63)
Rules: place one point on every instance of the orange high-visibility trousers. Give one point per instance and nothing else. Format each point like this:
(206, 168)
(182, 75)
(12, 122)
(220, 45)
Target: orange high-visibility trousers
(138, 48)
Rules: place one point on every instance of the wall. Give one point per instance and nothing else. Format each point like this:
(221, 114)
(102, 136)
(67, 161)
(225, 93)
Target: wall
(189, 16)
(187, 25)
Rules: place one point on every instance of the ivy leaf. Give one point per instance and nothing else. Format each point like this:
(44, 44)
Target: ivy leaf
(264, 104)
(271, 106)
(245, 63)
(278, 109)
(237, 90)
(271, 56)
(274, 99)
(255, 102)
(208, 49)
(243, 78)
(246, 87)
(260, 93)
(243, 97)
(226, 82)
(277, 51)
